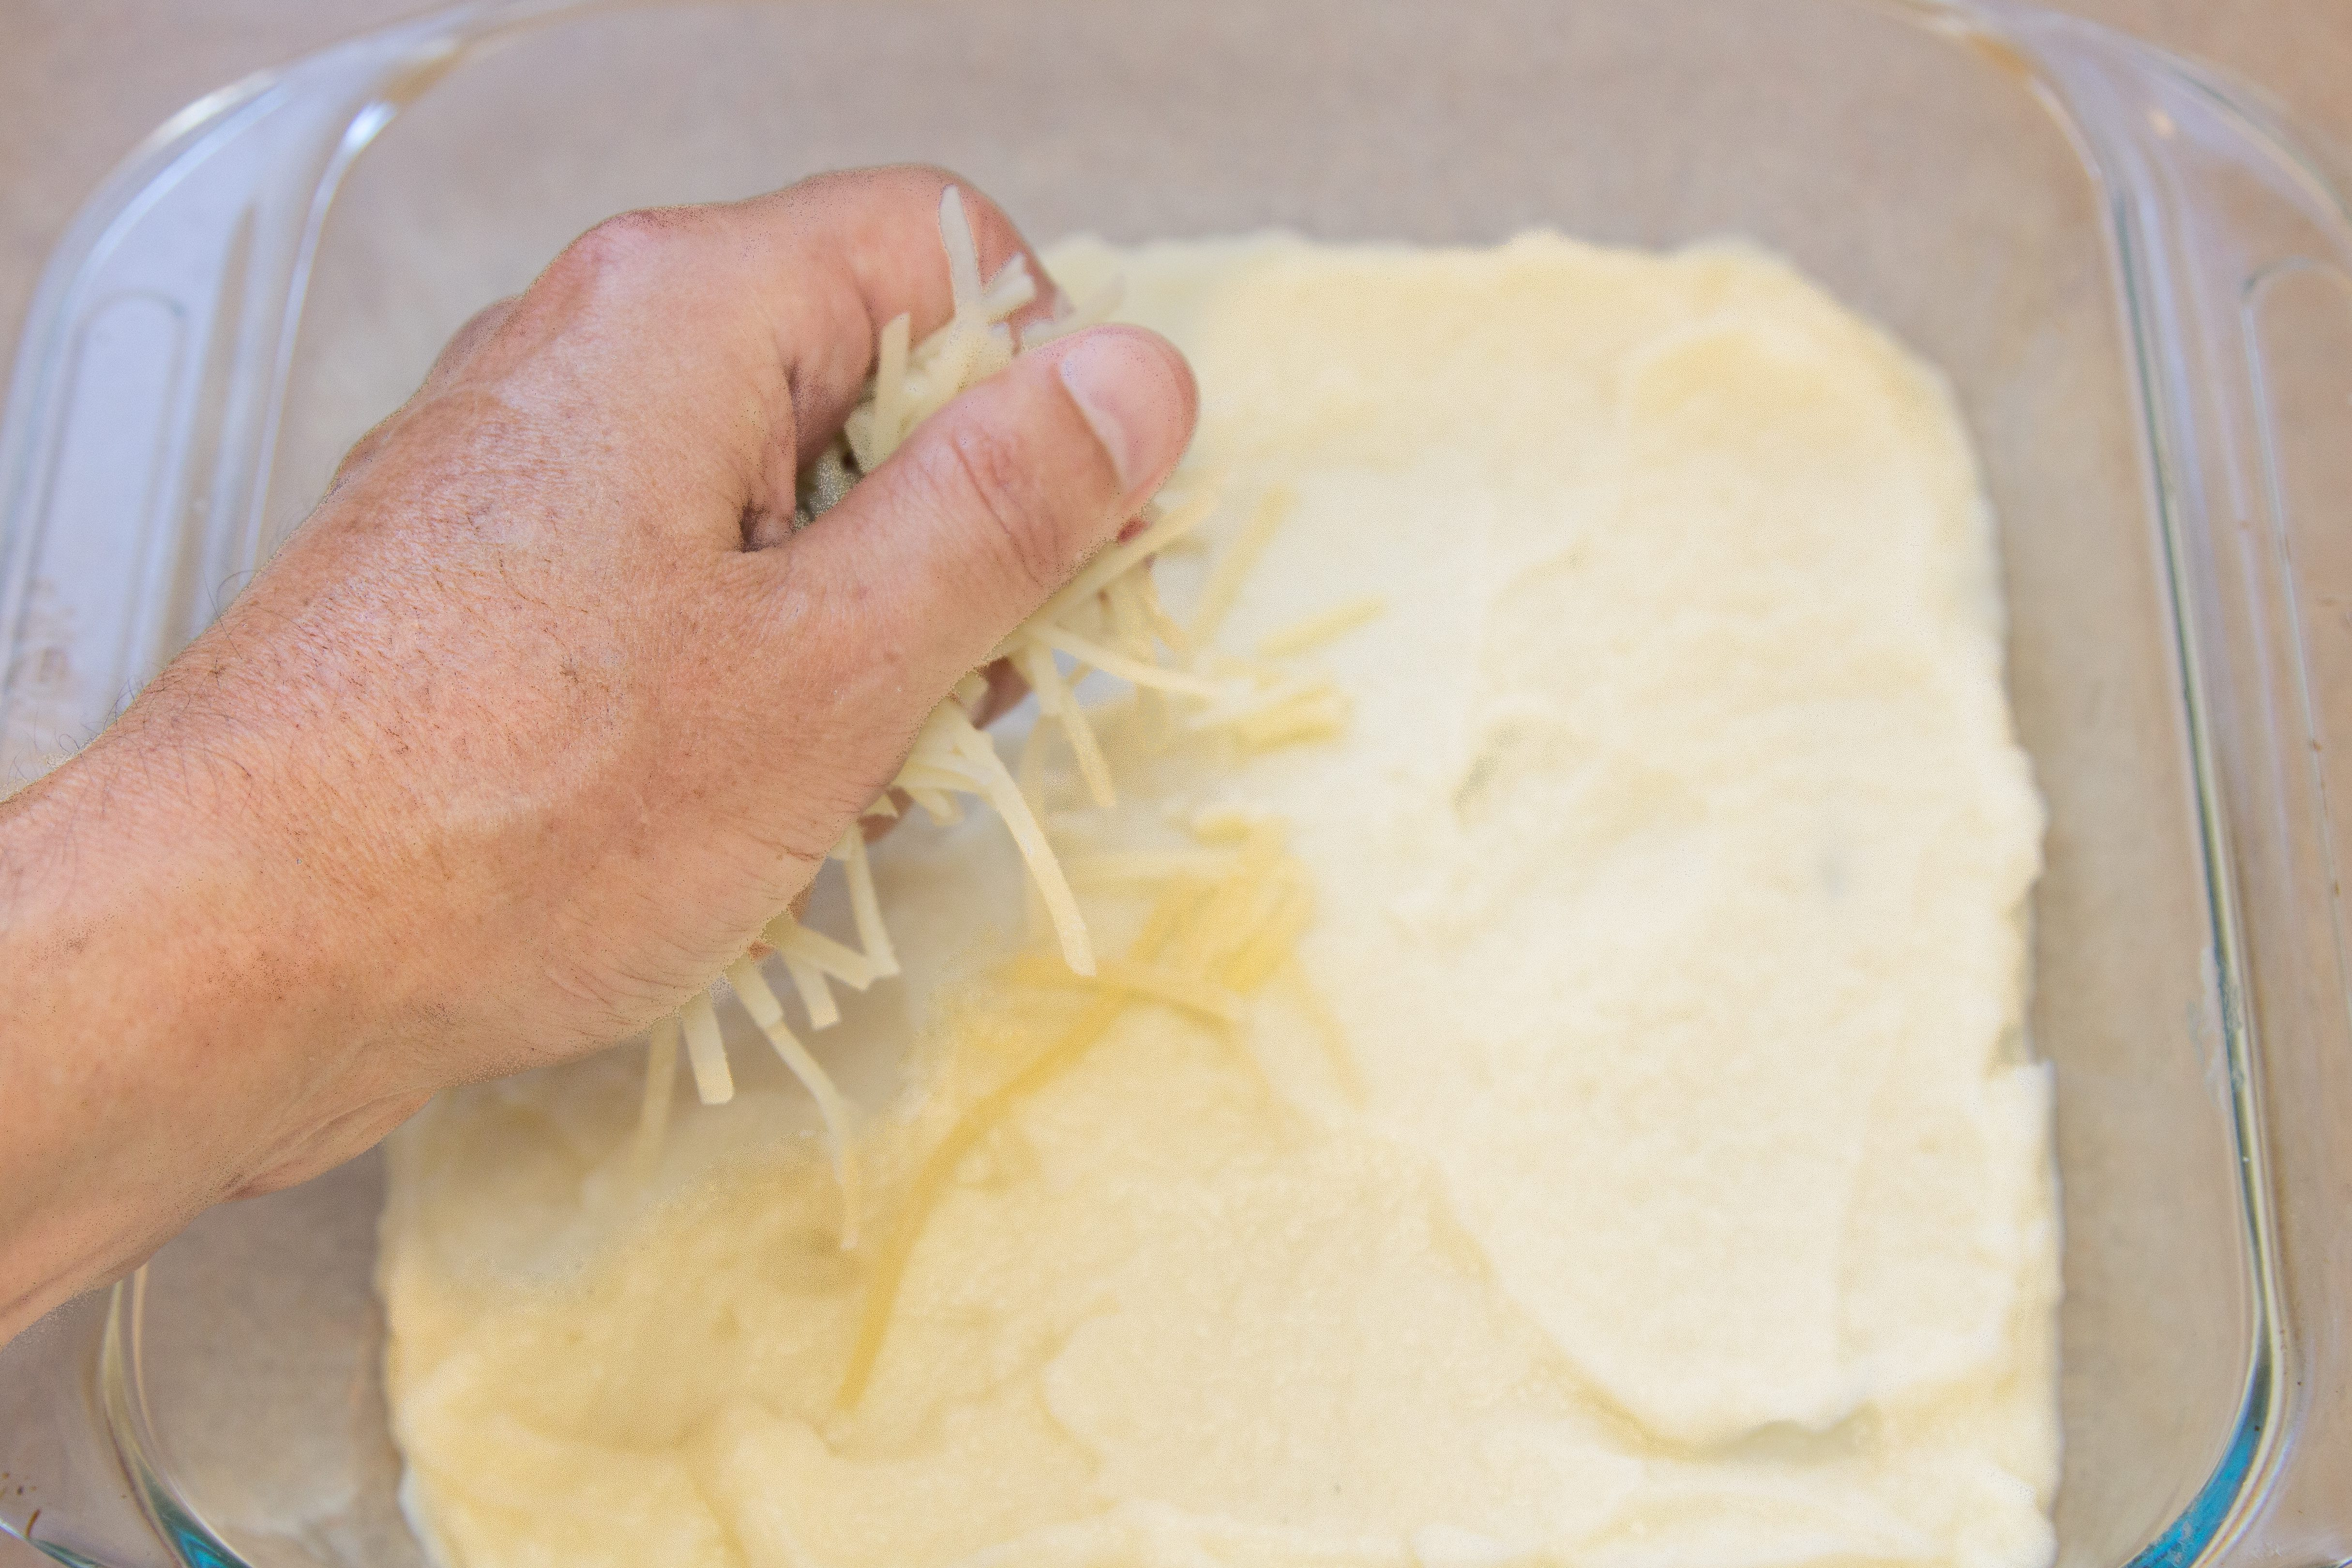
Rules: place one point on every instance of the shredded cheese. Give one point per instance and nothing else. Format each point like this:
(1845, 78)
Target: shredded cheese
(1108, 619)
(808, 983)
(751, 987)
(707, 1051)
(823, 955)
(1150, 981)
(865, 906)
(1128, 668)
(1316, 630)
(661, 1087)
(1225, 579)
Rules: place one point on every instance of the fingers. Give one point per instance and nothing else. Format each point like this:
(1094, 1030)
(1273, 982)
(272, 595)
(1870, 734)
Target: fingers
(991, 505)
(464, 340)
(851, 250)
(737, 338)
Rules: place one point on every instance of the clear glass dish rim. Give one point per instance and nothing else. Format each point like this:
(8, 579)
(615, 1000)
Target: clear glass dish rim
(407, 58)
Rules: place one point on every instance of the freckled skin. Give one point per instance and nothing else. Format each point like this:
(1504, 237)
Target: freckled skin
(539, 717)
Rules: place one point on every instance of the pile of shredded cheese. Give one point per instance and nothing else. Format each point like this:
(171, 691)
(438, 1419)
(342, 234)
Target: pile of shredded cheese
(1107, 619)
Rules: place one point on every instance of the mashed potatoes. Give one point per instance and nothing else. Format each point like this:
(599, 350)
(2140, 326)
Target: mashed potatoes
(1637, 1161)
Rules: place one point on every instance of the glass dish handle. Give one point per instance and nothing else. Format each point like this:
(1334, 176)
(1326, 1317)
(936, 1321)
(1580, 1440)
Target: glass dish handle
(127, 440)
(123, 443)
(2234, 241)
(61, 1487)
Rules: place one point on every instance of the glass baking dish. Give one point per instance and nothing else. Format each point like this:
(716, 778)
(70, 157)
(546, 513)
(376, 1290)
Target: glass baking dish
(2134, 275)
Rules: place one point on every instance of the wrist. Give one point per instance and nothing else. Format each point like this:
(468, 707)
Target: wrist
(137, 1103)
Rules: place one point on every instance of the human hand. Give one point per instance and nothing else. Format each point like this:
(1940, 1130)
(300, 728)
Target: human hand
(540, 716)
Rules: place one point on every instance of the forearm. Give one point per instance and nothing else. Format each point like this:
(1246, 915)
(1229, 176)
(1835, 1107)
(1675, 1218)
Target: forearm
(544, 714)
(167, 1025)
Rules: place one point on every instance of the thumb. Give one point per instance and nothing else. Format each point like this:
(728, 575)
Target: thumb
(993, 504)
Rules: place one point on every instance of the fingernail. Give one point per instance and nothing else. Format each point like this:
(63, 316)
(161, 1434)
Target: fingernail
(1136, 391)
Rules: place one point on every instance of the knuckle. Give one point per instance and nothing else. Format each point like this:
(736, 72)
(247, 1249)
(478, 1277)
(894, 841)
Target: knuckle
(365, 449)
(935, 176)
(626, 247)
(467, 341)
(919, 184)
(482, 323)
(993, 230)
(993, 227)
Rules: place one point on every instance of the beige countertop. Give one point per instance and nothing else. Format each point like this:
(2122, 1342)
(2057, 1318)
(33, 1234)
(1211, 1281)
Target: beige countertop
(82, 80)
